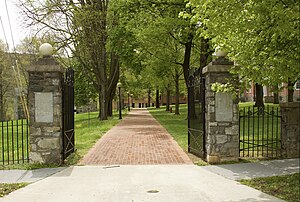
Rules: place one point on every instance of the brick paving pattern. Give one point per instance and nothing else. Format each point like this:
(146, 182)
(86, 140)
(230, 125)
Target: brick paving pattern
(138, 139)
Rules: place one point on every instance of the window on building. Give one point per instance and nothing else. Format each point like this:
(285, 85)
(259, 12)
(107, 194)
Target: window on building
(297, 85)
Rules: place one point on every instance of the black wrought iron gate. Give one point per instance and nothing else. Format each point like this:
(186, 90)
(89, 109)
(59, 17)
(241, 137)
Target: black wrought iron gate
(196, 115)
(68, 138)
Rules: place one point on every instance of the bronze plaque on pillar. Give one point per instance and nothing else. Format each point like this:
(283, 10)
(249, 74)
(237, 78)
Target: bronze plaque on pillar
(224, 107)
(43, 107)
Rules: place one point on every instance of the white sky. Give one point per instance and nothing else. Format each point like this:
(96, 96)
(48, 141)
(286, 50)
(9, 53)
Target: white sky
(17, 23)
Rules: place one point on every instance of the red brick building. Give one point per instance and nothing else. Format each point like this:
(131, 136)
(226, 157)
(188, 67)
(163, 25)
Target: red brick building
(249, 94)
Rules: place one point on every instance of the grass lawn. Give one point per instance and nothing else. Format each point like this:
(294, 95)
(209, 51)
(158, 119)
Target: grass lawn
(88, 129)
(250, 104)
(13, 141)
(286, 187)
(259, 128)
(8, 188)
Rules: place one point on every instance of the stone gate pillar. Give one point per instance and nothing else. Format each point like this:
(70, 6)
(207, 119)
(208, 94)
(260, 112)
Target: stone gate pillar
(222, 122)
(290, 126)
(45, 108)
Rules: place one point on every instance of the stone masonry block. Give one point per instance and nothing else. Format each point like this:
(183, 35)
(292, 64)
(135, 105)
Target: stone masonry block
(49, 143)
(221, 139)
(36, 157)
(213, 123)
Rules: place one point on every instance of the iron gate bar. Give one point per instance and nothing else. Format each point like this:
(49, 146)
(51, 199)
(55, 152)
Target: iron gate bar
(260, 141)
(27, 138)
(277, 133)
(68, 114)
(2, 141)
(196, 122)
(18, 141)
(7, 134)
(22, 140)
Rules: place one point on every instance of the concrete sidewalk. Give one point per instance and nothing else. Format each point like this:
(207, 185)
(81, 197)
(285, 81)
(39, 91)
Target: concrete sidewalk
(157, 183)
(230, 171)
(17, 176)
(257, 169)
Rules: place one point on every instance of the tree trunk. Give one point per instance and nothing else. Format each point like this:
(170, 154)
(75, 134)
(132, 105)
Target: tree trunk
(177, 94)
(104, 103)
(149, 97)
(259, 102)
(157, 99)
(113, 80)
(168, 98)
(291, 91)
(100, 105)
(276, 95)
(276, 98)
(205, 54)
(186, 61)
(110, 108)
(186, 72)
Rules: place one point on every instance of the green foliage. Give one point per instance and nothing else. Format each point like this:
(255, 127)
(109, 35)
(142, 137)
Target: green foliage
(155, 38)
(8, 188)
(261, 36)
(286, 187)
(224, 88)
(84, 90)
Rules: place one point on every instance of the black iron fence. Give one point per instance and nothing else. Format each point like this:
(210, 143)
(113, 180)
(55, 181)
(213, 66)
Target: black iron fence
(14, 141)
(260, 131)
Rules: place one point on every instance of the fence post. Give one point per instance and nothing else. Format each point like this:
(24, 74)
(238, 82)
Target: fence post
(290, 126)
(45, 109)
(222, 121)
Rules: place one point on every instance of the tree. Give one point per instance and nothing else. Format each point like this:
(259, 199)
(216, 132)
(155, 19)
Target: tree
(81, 28)
(161, 34)
(3, 83)
(83, 88)
(261, 36)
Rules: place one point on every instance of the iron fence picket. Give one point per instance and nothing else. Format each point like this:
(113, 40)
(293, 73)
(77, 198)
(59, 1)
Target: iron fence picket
(2, 135)
(261, 136)
(12, 142)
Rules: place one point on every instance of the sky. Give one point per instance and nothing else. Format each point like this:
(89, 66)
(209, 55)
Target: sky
(18, 30)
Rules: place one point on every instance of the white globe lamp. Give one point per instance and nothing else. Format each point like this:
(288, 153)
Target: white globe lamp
(220, 53)
(46, 50)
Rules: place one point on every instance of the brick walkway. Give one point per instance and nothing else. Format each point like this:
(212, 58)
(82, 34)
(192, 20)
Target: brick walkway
(139, 139)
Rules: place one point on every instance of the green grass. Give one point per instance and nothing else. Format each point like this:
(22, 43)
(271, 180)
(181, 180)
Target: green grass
(260, 128)
(8, 188)
(286, 187)
(88, 129)
(13, 141)
(250, 104)
(86, 116)
(26, 166)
